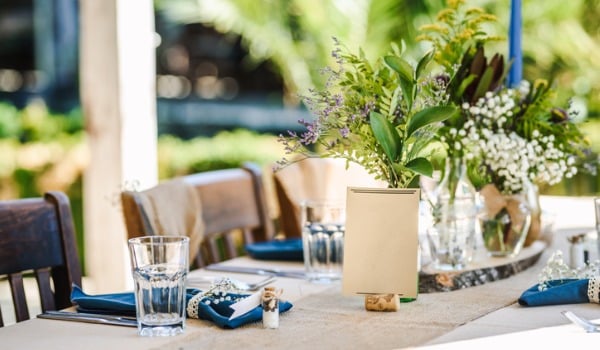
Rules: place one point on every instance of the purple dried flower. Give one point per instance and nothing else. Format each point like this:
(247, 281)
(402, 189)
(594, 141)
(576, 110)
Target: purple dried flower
(311, 134)
(344, 132)
(338, 99)
(369, 106)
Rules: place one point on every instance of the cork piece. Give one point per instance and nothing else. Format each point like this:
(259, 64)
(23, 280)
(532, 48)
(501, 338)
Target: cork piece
(270, 299)
(382, 302)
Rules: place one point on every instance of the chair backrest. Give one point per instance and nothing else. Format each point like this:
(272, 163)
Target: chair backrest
(232, 200)
(37, 236)
(315, 178)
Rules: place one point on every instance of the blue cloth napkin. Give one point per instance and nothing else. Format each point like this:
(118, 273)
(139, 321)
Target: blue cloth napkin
(124, 304)
(567, 291)
(288, 249)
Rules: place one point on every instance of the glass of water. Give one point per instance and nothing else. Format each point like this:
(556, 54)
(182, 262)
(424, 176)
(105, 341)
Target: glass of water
(323, 227)
(160, 265)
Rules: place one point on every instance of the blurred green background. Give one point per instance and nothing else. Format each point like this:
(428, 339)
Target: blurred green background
(248, 61)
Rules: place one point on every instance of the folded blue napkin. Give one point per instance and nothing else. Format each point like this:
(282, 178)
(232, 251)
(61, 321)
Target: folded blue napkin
(567, 291)
(288, 249)
(124, 304)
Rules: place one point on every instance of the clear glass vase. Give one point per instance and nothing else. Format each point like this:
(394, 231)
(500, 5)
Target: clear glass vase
(504, 220)
(535, 227)
(451, 235)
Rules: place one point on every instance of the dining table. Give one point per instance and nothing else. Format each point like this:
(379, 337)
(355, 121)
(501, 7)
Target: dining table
(323, 318)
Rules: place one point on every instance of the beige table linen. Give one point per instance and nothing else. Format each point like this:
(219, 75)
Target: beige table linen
(174, 208)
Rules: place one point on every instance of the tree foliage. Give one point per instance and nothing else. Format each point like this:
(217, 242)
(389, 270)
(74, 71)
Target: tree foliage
(561, 39)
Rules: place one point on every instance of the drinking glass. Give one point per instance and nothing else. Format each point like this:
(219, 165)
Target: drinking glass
(160, 267)
(323, 227)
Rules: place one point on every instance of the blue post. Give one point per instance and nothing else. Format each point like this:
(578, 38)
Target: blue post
(515, 75)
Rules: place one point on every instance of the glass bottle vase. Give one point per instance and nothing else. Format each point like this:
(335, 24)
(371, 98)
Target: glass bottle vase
(451, 235)
(505, 220)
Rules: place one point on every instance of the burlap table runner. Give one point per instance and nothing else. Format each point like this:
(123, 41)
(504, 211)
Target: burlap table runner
(328, 320)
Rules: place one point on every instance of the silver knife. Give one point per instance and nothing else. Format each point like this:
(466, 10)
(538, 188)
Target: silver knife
(257, 271)
(90, 318)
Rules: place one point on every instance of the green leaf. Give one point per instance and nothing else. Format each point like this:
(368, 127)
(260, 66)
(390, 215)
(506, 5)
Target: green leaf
(420, 166)
(403, 68)
(408, 89)
(429, 116)
(387, 135)
(484, 83)
(407, 77)
(394, 100)
(464, 85)
(423, 63)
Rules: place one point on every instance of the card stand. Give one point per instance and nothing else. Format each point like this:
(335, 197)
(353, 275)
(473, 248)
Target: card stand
(382, 302)
(484, 269)
(381, 246)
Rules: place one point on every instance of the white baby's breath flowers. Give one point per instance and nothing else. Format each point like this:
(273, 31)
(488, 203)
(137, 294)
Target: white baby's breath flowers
(510, 159)
(507, 158)
(557, 269)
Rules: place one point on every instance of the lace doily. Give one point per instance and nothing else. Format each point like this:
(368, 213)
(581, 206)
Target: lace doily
(219, 291)
(593, 291)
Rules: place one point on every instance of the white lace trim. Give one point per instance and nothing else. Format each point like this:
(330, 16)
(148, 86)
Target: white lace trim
(593, 290)
(192, 306)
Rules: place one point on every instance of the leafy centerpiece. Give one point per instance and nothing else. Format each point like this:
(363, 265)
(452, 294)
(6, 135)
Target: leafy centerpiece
(391, 116)
(381, 115)
(511, 137)
(494, 118)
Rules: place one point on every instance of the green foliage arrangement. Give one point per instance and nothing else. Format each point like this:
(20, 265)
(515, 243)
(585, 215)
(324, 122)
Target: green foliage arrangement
(380, 115)
(510, 135)
(384, 115)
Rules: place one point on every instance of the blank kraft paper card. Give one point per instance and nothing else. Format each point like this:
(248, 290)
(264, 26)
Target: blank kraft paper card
(381, 242)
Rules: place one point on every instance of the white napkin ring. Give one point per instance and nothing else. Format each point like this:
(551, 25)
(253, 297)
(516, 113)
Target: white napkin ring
(593, 290)
(192, 306)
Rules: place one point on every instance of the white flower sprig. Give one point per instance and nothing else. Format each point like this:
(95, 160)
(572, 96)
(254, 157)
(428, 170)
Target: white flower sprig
(557, 269)
(510, 159)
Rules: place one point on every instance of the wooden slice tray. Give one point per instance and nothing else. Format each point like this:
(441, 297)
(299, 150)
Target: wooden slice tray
(483, 269)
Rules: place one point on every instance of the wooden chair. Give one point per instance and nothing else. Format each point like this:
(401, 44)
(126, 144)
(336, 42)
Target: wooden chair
(232, 200)
(37, 236)
(314, 178)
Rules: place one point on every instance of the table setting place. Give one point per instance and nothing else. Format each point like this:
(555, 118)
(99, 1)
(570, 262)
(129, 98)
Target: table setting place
(252, 289)
(228, 294)
(165, 294)
(574, 281)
